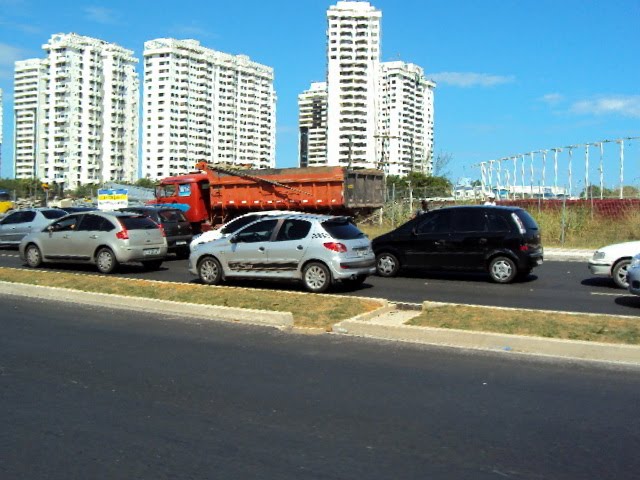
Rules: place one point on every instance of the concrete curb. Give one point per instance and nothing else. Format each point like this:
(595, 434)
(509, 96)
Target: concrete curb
(495, 342)
(281, 320)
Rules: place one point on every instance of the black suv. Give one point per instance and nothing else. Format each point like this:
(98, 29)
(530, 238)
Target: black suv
(504, 241)
(176, 226)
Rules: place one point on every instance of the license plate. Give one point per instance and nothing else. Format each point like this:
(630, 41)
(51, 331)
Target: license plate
(362, 252)
(181, 242)
(151, 251)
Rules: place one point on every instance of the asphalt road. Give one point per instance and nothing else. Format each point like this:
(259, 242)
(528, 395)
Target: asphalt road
(566, 286)
(93, 393)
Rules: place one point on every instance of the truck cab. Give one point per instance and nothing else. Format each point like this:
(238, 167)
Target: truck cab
(190, 190)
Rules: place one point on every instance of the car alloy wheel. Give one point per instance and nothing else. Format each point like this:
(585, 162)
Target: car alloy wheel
(619, 273)
(33, 256)
(387, 265)
(502, 270)
(316, 277)
(106, 261)
(209, 271)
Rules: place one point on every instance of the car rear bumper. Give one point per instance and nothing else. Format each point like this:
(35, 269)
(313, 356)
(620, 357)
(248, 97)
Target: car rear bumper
(139, 254)
(350, 268)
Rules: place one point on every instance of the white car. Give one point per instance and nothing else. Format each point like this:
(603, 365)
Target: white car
(613, 261)
(234, 225)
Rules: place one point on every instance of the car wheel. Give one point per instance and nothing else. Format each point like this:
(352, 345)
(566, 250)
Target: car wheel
(33, 256)
(316, 277)
(209, 271)
(619, 273)
(503, 270)
(387, 265)
(106, 261)
(152, 264)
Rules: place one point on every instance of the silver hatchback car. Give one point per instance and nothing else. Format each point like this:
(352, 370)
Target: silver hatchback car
(105, 239)
(318, 250)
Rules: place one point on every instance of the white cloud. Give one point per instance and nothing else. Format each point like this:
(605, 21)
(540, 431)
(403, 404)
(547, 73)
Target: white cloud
(552, 98)
(101, 15)
(626, 105)
(470, 79)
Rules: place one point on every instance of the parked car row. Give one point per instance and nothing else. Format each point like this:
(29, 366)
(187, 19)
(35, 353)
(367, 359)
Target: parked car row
(317, 250)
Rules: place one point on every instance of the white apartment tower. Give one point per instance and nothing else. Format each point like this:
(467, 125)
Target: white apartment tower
(312, 121)
(353, 57)
(201, 104)
(405, 121)
(76, 113)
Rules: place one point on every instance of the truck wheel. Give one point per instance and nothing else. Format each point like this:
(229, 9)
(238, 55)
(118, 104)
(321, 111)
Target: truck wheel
(210, 271)
(316, 277)
(502, 270)
(106, 261)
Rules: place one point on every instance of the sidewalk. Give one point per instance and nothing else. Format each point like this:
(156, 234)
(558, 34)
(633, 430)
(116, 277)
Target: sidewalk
(567, 254)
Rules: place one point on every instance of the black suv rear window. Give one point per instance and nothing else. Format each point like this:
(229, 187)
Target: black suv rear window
(171, 216)
(527, 220)
(342, 229)
(138, 223)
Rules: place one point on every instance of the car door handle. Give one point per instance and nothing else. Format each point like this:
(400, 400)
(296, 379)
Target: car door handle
(261, 249)
(93, 236)
(299, 247)
(439, 242)
(482, 241)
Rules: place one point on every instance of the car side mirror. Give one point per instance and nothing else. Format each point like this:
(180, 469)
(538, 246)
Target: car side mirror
(233, 239)
(414, 231)
(50, 228)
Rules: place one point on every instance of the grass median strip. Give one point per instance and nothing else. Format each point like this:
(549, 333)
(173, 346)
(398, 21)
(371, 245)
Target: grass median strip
(312, 311)
(569, 326)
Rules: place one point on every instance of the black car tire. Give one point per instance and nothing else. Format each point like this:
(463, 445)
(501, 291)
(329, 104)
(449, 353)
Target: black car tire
(619, 273)
(210, 271)
(387, 264)
(151, 265)
(316, 277)
(106, 261)
(503, 270)
(33, 256)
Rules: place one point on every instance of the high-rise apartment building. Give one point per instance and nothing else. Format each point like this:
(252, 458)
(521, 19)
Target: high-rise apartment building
(353, 57)
(312, 121)
(375, 114)
(76, 113)
(201, 104)
(405, 120)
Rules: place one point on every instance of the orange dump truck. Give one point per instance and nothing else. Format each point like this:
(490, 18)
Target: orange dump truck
(215, 195)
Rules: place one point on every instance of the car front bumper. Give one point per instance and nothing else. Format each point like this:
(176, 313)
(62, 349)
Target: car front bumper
(603, 269)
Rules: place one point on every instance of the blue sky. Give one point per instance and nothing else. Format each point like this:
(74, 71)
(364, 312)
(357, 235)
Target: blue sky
(513, 76)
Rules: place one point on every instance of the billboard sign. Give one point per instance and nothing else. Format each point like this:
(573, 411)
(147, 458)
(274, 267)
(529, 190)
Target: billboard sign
(112, 199)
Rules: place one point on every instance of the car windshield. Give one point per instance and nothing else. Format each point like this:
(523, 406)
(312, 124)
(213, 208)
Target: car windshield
(342, 229)
(51, 214)
(238, 223)
(138, 223)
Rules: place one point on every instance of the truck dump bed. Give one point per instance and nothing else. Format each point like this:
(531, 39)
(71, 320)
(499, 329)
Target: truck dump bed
(311, 188)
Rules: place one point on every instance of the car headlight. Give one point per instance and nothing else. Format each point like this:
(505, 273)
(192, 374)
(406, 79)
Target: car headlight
(635, 262)
(598, 255)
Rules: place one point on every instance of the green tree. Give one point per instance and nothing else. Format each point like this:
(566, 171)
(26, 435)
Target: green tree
(145, 183)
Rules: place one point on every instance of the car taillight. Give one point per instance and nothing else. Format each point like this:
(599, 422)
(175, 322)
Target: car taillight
(123, 234)
(524, 248)
(164, 234)
(335, 247)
